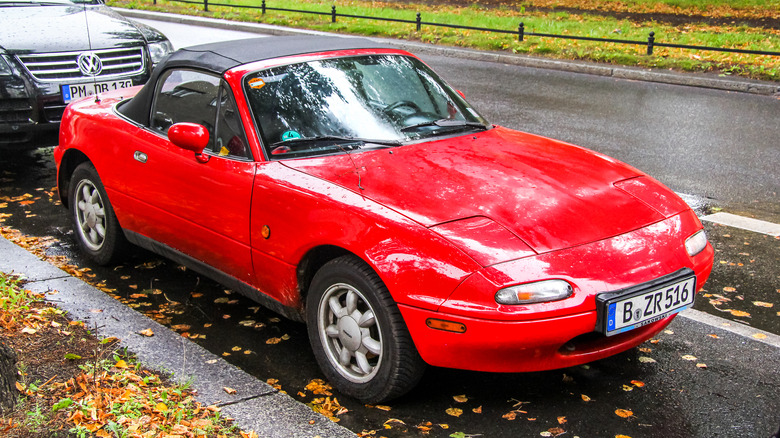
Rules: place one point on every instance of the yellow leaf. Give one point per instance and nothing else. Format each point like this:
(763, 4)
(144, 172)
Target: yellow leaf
(477, 410)
(740, 313)
(638, 383)
(585, 398)
(236, 348)
(628, 388)
(689, 357)
(230, 391)
(121, 364)
(511, 415)
(383, 407)
(460, 398)
(623, 413)
(273, 341)
(455, 412)
(645, 359)
(561, 420)
(762, 304)
(20, 386)
(161, 407)
(701, 365)
(622, 436)
(147, 332)
(759, 336)
(729, 289)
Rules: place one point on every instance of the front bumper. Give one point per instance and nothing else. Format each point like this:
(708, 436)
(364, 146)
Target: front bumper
(502, 346)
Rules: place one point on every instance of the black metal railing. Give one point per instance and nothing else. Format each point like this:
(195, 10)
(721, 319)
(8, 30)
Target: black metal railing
(521, 33)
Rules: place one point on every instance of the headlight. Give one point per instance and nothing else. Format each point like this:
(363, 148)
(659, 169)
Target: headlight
(696, 243)
(539, 292)
(159, 50)
(5, 69)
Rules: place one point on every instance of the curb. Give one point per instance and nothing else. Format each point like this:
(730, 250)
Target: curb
(255, 406)
(700, 80)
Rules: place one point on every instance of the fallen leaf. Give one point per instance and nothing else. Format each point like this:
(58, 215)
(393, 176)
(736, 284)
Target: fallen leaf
(689, 357)
(622, 436)
(561, 420)
(555, 431)
(585, 398)
(273, 341)
(762, 304)
(181, 327)
(740, 313)
(161, 407)
(236, 348)
(729, 289)
(628, 388)
(759, 336)
(645, 350)
(714, 336)
(121, 364)
(383, 407)
(147, 332)
(645, 359)
(230, 391)
(638, 383)
(511, 415)
(460, 398)
(477, 410)
(623, 413)
(455, 412)
(701, 365)
(29, 330)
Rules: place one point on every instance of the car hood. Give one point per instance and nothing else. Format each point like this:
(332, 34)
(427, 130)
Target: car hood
(551, 194)
(44, 29)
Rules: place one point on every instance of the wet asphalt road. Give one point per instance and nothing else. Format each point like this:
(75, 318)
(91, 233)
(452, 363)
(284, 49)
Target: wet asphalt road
(733, 395)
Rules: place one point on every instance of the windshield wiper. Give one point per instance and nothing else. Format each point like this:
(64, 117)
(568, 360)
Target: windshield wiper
(445, 123)
(335, 138)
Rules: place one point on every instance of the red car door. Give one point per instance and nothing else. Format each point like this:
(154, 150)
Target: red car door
(198, 208)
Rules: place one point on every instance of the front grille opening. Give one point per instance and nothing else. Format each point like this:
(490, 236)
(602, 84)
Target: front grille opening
(63, 66)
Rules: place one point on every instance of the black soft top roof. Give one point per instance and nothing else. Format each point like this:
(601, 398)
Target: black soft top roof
(222, 56)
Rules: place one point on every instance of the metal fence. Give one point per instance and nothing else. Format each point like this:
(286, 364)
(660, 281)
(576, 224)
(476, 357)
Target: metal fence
(521, 33)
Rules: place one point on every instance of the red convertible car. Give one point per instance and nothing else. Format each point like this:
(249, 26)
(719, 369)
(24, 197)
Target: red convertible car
(342, 183)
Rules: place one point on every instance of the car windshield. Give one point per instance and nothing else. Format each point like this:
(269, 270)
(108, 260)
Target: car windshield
(342, 104)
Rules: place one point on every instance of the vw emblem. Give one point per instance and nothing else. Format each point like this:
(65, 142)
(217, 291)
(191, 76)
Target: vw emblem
(89, 64)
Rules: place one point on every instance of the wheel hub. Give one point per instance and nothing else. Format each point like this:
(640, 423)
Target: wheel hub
(349, 333)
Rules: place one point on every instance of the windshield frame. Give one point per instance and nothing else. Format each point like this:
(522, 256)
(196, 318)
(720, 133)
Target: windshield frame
(473, 121)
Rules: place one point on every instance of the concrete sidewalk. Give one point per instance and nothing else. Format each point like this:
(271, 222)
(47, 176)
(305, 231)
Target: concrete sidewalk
(702, 80)
(255, 405)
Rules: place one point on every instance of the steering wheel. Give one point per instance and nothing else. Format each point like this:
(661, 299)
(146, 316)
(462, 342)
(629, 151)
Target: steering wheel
(400, 104)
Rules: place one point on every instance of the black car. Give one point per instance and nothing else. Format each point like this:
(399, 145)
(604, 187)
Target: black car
(54, 51)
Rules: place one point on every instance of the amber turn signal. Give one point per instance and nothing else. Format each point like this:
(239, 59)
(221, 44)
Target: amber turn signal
(447, 326)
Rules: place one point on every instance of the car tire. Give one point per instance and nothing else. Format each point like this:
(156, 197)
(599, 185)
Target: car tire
(94, 223)
(358, 335)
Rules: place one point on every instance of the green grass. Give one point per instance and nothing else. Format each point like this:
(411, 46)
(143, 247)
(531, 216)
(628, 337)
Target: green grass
(559, 23)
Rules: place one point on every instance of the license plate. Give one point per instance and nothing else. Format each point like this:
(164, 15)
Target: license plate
(76, 91)
(636, 306)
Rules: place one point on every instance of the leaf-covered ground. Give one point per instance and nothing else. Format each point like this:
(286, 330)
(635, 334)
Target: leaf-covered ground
(71, 383)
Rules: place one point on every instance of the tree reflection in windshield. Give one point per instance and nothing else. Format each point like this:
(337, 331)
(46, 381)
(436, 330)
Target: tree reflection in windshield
(389, 98)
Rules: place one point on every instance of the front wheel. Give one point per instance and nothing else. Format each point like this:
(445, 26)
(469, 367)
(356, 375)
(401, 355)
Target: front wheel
(358, 335)
(97, 229)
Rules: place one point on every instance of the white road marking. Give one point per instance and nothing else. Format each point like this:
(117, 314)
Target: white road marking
(744, 223)
(732, 327)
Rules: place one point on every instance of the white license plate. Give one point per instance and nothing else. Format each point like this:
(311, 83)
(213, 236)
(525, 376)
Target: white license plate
(644, 304)
(76, 91)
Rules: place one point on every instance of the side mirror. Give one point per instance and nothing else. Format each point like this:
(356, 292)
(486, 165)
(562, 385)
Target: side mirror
(190, 136)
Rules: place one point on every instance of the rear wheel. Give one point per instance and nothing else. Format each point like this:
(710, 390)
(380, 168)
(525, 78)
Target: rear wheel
(97, 230)
(358, 335)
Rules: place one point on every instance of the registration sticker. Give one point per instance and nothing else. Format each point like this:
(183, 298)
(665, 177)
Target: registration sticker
(76, 91)
(256, 83)
(637, 306)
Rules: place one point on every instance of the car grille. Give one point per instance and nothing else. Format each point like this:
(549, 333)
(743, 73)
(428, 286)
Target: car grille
(15, 111)
(62, 66)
